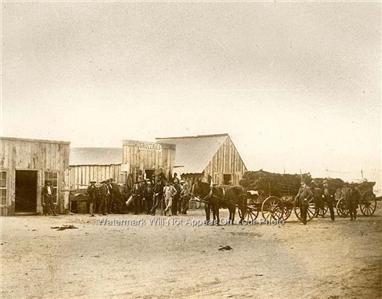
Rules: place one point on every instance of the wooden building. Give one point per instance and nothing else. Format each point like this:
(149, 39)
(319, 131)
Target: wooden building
(90, 163)
(144, 159)
(204, 156)
(25, 166)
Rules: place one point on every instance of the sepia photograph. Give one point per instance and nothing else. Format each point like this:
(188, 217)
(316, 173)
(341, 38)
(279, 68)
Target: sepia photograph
(191, 149)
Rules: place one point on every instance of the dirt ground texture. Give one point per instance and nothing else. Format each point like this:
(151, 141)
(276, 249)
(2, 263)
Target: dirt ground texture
(182, 260)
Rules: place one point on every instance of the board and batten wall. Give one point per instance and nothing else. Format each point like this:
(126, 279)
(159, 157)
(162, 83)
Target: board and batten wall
(31, 154)
(226, 160)
(139, 155)
(81, 175)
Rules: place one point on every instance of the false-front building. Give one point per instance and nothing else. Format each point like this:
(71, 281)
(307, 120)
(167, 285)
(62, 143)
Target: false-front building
(146, 159)
(25, 166)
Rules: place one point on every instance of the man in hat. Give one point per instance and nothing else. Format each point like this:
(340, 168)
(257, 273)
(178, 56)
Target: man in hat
(158, 195)
(110, 196)
(169, 192)
(48, 201)
(137, 195)
(353, 200)
(148, 196)
(92, 194)
(103, 197)
(302, 198)
(185, 196)
(175, 206)
(328, 197)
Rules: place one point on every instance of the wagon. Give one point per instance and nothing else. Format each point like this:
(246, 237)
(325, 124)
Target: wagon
(367, 203)
(277, 208)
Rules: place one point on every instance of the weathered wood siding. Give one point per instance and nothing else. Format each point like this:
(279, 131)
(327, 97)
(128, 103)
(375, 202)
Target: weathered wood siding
(140, 156)
(227, 160)
(81, 175)
(29, 154)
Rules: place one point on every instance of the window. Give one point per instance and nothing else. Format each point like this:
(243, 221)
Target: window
(52, 178)
(3, 188)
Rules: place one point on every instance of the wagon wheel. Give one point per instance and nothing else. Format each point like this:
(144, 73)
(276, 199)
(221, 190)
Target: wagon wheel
(342, 209)
(250, 214)
(368, 204)
(271, 208)
(322, 211)
(287, 211)
(310, 213)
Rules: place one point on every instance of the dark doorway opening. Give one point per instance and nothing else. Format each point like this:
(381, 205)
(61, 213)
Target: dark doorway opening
(227, 179)
(149, 174)
(26, 191)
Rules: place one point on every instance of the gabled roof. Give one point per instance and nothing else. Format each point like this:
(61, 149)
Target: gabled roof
(193, 153)
(95, 156)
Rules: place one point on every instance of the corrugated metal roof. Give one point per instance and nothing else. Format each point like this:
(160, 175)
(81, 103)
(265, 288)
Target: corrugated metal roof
(193, 153)
(95, 156)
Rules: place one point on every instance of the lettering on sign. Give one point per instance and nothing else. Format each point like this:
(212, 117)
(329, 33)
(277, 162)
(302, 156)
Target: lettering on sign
(148, 146)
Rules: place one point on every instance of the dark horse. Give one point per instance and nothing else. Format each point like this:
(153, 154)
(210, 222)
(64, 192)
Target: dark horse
(203, 191)
(219, 197)
(230, 197)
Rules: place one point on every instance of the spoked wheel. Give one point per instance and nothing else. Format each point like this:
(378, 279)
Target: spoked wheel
(287, 211)
(310, 212)
(322, 211)
(342, 209)
(271, 209)
(250, 214)
(368, 204)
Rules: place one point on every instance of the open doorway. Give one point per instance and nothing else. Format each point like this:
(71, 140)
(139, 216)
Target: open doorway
(227, 179)
(26, 191)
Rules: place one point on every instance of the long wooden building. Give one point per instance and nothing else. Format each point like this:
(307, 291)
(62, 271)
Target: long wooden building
(207, 156)
(94, 163)
(25, 166)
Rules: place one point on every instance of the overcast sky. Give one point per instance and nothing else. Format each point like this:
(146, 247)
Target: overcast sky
(296, 86)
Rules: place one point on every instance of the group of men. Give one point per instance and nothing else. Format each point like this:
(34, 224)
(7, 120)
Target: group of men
(144, 196)
(326, 196)
(101, 197)
(172, 196)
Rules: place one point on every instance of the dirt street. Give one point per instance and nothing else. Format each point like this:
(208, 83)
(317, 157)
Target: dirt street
(176, 258)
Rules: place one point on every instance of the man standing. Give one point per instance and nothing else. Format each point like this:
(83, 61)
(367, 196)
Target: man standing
(48, 201)
(148, 195)
(302, 198)
(169, 192)
(92, 194)
(353, 200)
(103, 196)
(158, 196)
(109, 195)
(328, 197)
(137, 198)
(185, 196)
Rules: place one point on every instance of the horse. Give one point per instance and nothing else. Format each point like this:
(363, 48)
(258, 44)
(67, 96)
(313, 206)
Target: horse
(119, 194)
(230, 197)
(203, 191)
(221, 197)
